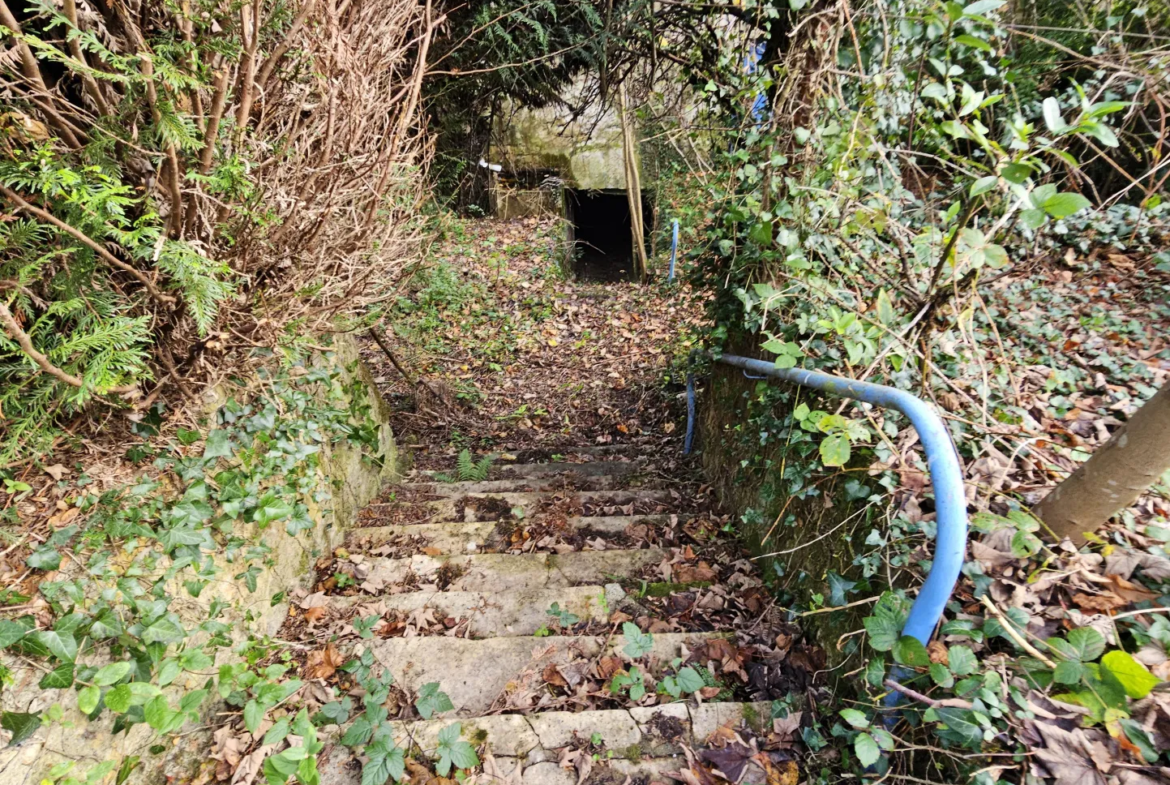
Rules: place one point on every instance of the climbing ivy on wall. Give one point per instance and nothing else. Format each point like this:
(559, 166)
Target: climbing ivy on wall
(123, 636)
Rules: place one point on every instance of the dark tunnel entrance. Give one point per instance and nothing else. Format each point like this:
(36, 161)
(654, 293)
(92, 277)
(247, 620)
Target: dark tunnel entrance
(600, 230)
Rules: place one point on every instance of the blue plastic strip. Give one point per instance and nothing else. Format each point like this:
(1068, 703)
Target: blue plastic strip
(690, 440)
(673, 249)
(945, 475)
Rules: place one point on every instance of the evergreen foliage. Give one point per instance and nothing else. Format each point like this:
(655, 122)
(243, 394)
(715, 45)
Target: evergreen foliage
(145, 195)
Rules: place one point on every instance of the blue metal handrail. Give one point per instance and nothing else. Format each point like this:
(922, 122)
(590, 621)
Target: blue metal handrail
(943, 461)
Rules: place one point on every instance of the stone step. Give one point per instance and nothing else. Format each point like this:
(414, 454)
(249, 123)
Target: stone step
(618, 770)
(563, 481)
(499, 572)
(456, 538)
(505, 470)
(492, 613)
(476, 673)
(501, 506)
(629, 734)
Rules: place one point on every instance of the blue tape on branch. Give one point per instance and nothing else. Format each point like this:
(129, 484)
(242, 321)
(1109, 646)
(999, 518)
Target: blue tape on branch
(673, 249)
(690, 440)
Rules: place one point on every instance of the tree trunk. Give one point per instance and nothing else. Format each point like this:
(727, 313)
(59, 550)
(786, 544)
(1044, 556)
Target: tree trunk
(633, 185)
(1116, 474)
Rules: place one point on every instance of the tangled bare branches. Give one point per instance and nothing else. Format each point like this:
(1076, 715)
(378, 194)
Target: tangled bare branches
(178, 181)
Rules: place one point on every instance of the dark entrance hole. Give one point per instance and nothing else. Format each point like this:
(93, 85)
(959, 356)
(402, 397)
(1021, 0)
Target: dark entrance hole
(600, 231)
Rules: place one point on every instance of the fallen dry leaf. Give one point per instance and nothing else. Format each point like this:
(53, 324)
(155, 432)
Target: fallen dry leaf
(323, 663)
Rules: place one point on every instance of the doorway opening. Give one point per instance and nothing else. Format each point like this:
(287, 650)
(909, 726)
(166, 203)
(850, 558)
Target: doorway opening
(600, 233)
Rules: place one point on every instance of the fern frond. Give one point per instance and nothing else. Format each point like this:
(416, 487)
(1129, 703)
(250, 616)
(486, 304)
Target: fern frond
(465, 465)
(483, 467)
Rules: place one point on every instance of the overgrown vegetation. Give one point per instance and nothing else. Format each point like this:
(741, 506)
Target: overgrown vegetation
(900, 193)
(182, 181)
(126, 629)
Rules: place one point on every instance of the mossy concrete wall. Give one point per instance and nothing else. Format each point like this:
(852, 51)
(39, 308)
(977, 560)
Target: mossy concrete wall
(353, 477)
(586, 150)
(825, 535)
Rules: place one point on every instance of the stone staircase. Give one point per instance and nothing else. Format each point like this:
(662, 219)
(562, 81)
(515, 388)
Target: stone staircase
(479, 577)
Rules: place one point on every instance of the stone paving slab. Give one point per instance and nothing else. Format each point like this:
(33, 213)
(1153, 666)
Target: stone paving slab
(475, 672)
(457, 537)
(500, 572)
(494, 614)
(490, 506)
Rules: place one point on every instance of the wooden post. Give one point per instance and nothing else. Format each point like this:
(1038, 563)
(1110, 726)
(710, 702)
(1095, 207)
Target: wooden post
(633, 186)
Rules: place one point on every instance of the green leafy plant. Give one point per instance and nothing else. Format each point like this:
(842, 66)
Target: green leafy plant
(563, 618)
(432, 700)
(632, 682)
(476, 471)
(453, 751)
(638, 643)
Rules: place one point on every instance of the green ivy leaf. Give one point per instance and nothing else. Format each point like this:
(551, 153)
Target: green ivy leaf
(1064, 205)
(112, 673)
(910, 651)
(44, 558)
(1084, 644)
(11, 632)
(941, 675)
(219, 444)
(761, 233)
(835, 449)
(59, 678)
(20, 724)
(855, 718)
(1134, 677)
(165, 630)
(866, 748)
(961, 661)
(61, 645)
(87, 699)
(960, 722)
(689, 680)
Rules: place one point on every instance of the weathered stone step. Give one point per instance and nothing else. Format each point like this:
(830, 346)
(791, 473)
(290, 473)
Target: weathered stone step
(458, 538)
(617, 770)
(595, 482)
(493, 613)
(501, 506)
(629, 734)
(499, 572)
(475, 673)
(505, 470)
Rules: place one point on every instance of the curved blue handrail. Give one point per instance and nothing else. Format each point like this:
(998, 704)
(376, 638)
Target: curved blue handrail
(945, 475)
